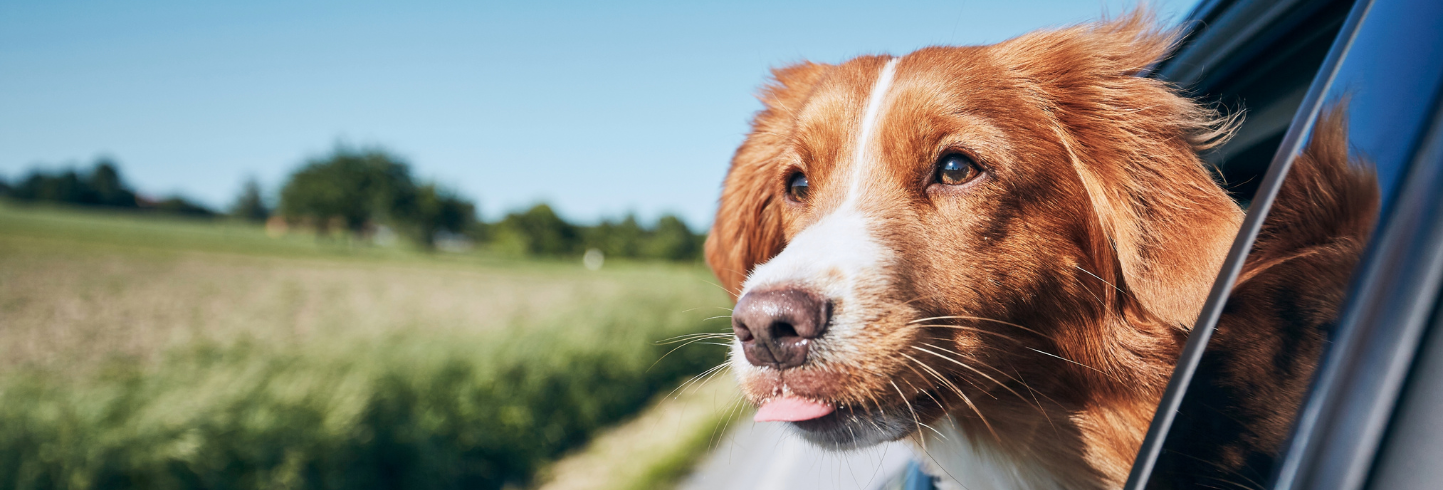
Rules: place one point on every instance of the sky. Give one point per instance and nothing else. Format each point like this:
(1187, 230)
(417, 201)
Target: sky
(598, 108)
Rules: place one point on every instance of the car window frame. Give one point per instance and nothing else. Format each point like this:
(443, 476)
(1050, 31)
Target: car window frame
(1206, 324)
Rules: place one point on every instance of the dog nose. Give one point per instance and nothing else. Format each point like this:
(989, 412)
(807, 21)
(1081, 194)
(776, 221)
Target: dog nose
(776, 327)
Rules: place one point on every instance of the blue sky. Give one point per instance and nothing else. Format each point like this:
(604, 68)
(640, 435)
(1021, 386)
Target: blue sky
(598, 108)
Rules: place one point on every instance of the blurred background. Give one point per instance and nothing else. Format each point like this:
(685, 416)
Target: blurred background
(389, 245)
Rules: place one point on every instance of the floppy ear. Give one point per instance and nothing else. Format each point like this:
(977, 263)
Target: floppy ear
(747, 230)
(1133, 142)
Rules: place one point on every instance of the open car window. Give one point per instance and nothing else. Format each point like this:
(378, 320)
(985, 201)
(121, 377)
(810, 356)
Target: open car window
(1289, 377)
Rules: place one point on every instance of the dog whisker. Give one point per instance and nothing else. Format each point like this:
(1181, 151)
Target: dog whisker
(935, 431)
(938, 376)
(1040, 408)
(975, 370)
(1104, 281)
(965, 327)
(724, 424)
(694, 379)
(880, 410)
(954, 388)
(1049, 354)
(938, 465)
(979, 362)
(908, 402)
(674, 349)
(966, 400)
(719, 286)
(1099, 299)
(719, 371)
(978, 318)
(925, 392)
(978, 330)
(690, 336)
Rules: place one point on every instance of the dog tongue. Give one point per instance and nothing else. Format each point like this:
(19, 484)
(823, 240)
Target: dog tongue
(791, 409)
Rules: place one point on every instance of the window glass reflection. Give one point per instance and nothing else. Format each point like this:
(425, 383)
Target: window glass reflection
(1241, 405)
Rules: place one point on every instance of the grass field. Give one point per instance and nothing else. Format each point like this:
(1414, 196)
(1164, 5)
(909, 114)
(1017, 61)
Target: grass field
(142, 352)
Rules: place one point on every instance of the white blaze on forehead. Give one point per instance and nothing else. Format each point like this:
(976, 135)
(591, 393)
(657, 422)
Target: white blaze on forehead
(830, 254)
(862, 155)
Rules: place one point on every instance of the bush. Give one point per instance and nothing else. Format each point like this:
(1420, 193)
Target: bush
(405, 411)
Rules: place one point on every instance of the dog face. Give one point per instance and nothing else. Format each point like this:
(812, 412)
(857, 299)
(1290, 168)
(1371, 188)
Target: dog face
(1012, 236)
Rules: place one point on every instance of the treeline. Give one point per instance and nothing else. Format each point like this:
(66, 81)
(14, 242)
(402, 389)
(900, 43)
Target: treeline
(369, 195)
(539, 231)
(100, 186)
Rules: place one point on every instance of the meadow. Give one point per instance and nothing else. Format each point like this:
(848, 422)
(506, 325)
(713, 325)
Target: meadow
(146, 352)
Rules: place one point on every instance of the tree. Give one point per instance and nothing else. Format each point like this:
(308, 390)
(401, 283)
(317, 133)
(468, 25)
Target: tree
(250, 206)
(358, 187)
(618, 239)
(361, 189)
(672, 240)
(538, 231)
(105, 187)
(436, 211)
(39, 186)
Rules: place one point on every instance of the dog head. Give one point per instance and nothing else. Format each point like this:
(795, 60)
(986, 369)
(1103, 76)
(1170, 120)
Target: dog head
(969, 231)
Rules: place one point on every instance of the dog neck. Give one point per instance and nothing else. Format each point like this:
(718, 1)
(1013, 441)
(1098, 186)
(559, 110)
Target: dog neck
(1087, 448)
(959, 461)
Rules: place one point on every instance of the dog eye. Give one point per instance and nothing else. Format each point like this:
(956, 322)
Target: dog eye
(955, 169)
(797, 187)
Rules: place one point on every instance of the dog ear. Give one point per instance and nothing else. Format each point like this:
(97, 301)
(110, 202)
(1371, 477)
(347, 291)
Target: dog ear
(748, 230)
(1133, 142)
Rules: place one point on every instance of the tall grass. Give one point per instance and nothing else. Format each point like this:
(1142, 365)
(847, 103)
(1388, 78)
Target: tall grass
(399, 404)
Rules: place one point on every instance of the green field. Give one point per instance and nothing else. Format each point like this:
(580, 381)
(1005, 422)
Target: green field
(144, 352)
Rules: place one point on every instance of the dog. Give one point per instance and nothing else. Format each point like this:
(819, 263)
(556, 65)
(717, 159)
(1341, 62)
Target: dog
(995, 251)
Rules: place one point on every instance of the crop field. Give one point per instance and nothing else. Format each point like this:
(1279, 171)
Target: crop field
(144, 352)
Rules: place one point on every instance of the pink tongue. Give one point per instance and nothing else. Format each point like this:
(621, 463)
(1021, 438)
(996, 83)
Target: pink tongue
(791, 409)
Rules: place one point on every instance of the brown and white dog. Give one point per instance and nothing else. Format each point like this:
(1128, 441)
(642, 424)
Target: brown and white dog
(996, 250)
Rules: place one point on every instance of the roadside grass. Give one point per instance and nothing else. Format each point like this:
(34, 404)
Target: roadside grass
(146, 352)
(658, 447)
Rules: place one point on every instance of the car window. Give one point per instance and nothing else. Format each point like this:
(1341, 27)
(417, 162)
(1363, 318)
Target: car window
(1263, 76)
(1285, 295)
